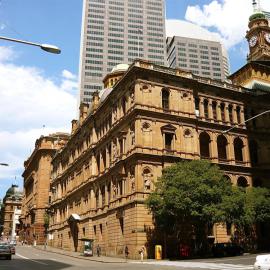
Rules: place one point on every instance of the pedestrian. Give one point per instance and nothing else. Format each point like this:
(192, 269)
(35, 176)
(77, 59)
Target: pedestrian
(142, 250)
(98, 250)
(126, 252)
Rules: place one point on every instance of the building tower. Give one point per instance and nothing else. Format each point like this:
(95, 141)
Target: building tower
(206, 58)
(258, 35)
(115, 32)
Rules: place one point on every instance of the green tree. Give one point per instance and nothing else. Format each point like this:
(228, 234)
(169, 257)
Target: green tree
(193, 195)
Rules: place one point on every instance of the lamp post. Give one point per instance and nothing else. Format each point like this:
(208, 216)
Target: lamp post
(45, 47)
(4, 164)
(255, 116)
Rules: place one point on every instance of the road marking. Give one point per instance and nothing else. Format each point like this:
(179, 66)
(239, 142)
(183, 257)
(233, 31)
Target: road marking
(30, 259)
(200, 265)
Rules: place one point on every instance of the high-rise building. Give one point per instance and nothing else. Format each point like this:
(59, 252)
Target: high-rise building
(202, 57)
(118, 31)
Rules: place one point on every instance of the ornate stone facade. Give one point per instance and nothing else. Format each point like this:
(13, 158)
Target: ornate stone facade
(154, 116)
(36, 187)
(10, 209)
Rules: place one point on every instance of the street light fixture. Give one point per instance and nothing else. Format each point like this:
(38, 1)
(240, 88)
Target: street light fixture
(4, 164)
(257, 115)
(46, 47)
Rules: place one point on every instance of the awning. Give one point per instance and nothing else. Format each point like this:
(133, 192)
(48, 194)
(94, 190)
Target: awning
(74, 217)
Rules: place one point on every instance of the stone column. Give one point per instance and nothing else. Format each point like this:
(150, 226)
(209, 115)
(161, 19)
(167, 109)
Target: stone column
(210, 109)
(227, 117)
(201, 108)
(234, 114)
(230, 150)
(213, 148)
(242, 115)
(92, 198)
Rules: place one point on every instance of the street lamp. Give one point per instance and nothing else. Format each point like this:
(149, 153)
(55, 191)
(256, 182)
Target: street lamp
(4, 164)
(46, 47)
(257, 115)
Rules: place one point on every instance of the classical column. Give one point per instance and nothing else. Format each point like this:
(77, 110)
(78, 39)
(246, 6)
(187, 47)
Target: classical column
(213, 148)
(242, 115)
(227, 117)
(210, 109)
(201, 107)
(230, 150)
(234, 114)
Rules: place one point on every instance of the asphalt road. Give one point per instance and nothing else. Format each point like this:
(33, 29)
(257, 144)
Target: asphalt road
(28, 258)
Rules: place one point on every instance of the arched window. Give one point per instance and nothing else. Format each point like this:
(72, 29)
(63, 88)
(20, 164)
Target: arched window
(238, 149)
(147, 179)
(238, 114)
(97, 198)
(242, 182)
(204, 145)
(103, 196)
(230, 109)
(205, 105)
(197, 105)
(222, 110)
(214, 109)
(227, 178)
(222, 147)
(165, 98)
(253, 148)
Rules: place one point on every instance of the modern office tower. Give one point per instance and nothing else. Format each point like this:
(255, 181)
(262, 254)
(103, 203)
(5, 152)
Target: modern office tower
(202, 57)
(116, 32)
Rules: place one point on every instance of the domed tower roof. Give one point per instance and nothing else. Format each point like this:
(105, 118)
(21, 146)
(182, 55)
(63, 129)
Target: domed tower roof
(115, 75)
(257, 15)
(13, 191)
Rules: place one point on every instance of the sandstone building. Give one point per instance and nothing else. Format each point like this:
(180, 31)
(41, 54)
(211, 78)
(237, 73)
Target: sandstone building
(146, 120)
(36, 187)
(11, 208)
(152, 117)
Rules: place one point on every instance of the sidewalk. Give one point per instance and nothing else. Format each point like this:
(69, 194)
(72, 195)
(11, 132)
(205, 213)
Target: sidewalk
(78, 255)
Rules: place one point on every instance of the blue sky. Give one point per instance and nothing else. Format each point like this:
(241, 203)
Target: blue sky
(39, 89)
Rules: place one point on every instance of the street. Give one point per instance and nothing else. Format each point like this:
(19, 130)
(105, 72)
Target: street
(27, 258)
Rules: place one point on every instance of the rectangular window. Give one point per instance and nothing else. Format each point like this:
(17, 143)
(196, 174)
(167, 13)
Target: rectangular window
(168, 141)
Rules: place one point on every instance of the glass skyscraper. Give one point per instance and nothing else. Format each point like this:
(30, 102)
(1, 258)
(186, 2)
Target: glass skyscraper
(115, 32)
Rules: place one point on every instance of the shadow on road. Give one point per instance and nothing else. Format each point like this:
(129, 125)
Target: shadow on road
(27, 264)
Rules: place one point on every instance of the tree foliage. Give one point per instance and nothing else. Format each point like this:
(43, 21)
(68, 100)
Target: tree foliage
(191, 195)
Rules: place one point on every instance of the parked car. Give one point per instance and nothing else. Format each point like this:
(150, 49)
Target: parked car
(227, 249)
(12, 248)
(5, 251)
(262, 262)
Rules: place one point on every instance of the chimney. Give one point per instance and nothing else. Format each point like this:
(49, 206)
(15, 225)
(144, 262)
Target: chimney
(74, 124)
(83, 111)
(95, 101)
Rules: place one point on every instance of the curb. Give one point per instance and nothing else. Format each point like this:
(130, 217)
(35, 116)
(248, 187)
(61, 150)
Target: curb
(78, 257)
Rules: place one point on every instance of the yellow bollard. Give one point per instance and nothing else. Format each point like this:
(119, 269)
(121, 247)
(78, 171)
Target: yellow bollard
(158, 252)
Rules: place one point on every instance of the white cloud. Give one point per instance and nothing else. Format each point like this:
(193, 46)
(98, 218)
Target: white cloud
(68, 75)
(6, 54)
(29, 100)
(228, 18)
(17, 146)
